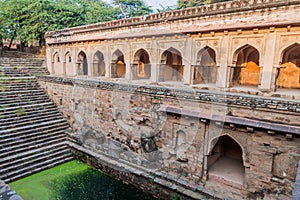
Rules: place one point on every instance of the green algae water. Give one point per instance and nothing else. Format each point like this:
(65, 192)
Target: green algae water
(75, 181)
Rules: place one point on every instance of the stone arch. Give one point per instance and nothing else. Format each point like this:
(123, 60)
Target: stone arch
(226, 161)
(213, 141)
(245, 69)
(288, 75)
(56, 62)
(56, 57)
(98, 64)
(141, 67)
(68, 63)
(118, 66)
(171, 68)
(205, 70)
(82, 63)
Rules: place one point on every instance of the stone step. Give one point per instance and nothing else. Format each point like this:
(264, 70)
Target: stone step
(30, 141)
(4, 109)
(25, 118)
(13, 117)
(19, 84)
(9, 87)
(30, 127)
(21, 152)
(23, 98)
(21, 93)
(6, 165)
(28, 121)
(21, 104)
(52, 162)
(11, 112)
(38, 130)
(45, 163)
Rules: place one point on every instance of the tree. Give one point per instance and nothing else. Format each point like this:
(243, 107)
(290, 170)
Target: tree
(191, 3)
(28, 20)
(131, 8)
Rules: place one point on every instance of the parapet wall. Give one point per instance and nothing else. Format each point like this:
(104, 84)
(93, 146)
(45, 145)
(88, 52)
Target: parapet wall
(197, 19)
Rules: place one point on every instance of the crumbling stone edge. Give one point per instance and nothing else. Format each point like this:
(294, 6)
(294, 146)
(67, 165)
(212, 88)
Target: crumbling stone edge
(273, 102)
(6, 193)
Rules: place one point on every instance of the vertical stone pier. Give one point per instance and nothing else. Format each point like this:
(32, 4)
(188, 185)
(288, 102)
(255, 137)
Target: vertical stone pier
(296, 193)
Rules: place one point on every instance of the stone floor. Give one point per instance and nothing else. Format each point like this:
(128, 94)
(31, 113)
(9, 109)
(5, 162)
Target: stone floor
(228, 171)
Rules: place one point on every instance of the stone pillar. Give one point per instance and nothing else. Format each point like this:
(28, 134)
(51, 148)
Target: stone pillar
(113, 70)
(107, 60)
(49, 62)
(223, 70)
(187, 59)
(127, 65)
(134, 71)
(74, 59)
(154, 61)
(266, 73)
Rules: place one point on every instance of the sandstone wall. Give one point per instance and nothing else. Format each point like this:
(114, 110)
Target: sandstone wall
(173, 132)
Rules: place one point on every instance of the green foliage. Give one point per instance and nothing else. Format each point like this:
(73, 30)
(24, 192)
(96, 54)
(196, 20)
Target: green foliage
(131, 8)
(28, 20)
(20, 111)
(191, 3)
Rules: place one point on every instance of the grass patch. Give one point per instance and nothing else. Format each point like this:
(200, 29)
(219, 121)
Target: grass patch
(37, 186)
(75, 180)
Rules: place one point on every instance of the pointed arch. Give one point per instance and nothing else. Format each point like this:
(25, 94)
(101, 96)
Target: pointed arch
(69, 70)
(118, 66)
(205, 70)
(68, 57)
(57, 64)
(141, 68)
(246, 70)
(56, 57)
(225, 153)
(82, 63)
(288, 75)
(98, 64)
(171, 68)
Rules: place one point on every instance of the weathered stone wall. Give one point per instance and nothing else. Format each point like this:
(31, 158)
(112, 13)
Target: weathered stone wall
(173, 132)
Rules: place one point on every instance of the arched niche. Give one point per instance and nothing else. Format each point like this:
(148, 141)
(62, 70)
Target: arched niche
(68, 64)
(141, 68)
(225, 161)
(57, 64)
(118, 67)
(205, 70)
(171, 68)
(98, 64)
(245, 69)
(82, 63)
(288, 75)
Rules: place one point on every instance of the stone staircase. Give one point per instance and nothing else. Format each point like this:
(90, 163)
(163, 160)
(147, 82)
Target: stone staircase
(32, 130)
(27, 63)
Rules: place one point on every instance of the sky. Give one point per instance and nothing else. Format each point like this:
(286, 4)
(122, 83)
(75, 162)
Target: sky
(156, 3)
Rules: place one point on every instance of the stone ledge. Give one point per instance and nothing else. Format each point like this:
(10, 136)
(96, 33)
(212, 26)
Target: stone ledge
(217, 97)
(234, 120)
